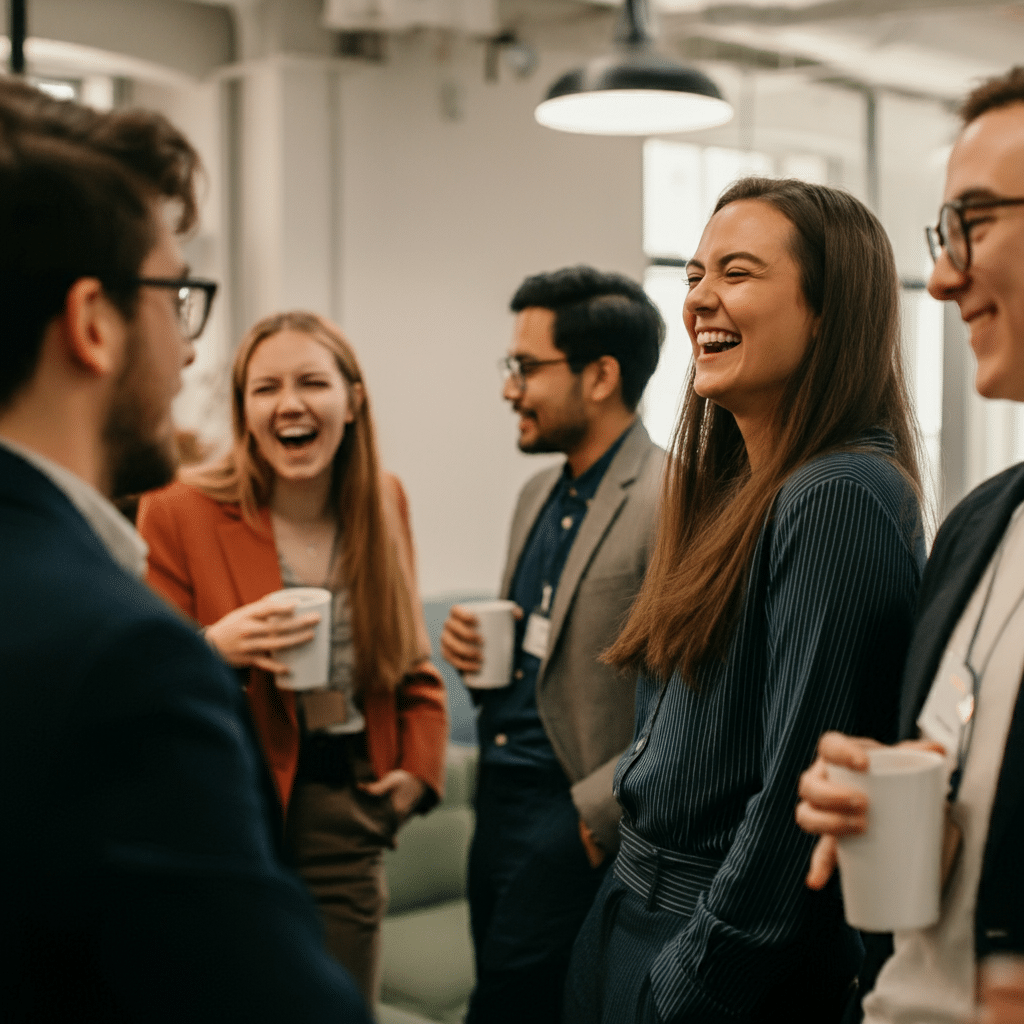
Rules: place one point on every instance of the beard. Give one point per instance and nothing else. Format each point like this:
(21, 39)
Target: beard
(561, 438)
(138, 459)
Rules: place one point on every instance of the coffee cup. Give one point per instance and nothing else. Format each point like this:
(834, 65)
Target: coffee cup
(497, 626)
(890, 873)
(309, 663)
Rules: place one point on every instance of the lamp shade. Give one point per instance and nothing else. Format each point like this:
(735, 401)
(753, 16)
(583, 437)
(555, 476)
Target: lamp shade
(633, 91)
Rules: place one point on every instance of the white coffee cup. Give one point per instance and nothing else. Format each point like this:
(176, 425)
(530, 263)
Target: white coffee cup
(890, 873)
(495, 623)
(309, 663)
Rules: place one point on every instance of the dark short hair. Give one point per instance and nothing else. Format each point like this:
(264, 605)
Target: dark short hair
(599, 314)
(994, 93)
(76, 200)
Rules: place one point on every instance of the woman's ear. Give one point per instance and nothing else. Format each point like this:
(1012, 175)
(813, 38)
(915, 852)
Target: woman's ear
(356, 397)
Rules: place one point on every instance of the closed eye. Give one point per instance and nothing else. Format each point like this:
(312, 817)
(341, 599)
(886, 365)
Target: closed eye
(693, 280)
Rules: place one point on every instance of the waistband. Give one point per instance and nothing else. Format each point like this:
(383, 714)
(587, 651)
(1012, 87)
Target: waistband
(663, 879)
(331, 758)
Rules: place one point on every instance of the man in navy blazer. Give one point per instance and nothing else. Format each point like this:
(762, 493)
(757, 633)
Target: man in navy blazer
(970, 626)
(137, 876)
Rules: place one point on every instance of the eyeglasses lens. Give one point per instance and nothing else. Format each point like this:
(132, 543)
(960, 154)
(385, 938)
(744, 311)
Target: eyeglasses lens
(192, 304)
(951, 229)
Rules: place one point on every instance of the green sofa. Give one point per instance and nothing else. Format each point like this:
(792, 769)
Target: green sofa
(427, 969)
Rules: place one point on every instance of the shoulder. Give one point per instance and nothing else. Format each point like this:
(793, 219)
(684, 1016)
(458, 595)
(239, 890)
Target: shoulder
(860, 473)
(180, 498)
(1004, 489)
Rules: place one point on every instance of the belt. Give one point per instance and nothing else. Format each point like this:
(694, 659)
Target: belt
(327, 757)
(663, 879)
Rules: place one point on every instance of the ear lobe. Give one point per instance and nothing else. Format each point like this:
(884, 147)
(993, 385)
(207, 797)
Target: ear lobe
(93, 329)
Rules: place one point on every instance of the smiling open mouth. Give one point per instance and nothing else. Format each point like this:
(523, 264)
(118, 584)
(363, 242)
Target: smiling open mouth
(717, 341)
(296, 437)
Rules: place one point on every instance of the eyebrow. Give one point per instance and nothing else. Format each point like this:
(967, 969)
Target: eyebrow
(976, 194)
(739, 255)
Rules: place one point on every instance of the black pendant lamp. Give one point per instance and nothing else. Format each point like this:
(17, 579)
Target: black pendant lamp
(633, 91)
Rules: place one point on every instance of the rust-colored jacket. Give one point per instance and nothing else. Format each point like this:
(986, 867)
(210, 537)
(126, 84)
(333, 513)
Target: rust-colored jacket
(207, 560)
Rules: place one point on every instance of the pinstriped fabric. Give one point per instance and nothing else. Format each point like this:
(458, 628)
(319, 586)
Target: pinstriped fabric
(712, 771)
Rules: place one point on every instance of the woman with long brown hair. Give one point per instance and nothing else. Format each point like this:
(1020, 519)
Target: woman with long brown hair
(777, 606)
(300, 500)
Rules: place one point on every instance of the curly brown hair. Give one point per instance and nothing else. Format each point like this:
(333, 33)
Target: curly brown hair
(994, 93)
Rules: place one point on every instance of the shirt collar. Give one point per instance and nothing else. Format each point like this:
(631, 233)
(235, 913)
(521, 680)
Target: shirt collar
(116, 534)
(586, 484)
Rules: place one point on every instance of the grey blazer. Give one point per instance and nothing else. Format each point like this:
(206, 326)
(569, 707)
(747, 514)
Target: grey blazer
(586, 706)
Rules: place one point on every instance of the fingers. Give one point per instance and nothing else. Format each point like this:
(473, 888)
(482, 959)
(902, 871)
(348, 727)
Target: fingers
(848, 751)
(268, 664)
(823, 863)
(461, 644)
(1001, 990)
(828, 808)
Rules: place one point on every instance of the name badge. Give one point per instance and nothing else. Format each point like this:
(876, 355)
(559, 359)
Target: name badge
(950, 704)
(538, 633)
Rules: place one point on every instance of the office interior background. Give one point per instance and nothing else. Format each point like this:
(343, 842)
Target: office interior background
(378, 161)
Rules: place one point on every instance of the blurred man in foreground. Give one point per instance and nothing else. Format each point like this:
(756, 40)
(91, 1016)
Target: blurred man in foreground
(137, 876)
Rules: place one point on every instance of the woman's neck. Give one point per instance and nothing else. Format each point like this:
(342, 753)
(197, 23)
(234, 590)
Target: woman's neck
(759, 437)
(302, 502)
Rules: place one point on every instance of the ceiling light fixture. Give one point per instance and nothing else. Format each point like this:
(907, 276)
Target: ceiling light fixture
(633, 91)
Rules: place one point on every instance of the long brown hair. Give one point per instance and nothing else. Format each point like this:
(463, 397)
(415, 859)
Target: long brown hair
(369, 565)
(850, 379)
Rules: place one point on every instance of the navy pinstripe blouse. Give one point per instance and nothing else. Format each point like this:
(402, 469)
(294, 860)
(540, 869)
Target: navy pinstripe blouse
(713, 771)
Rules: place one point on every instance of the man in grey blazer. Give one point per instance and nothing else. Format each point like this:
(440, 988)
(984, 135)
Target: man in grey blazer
(584, 346)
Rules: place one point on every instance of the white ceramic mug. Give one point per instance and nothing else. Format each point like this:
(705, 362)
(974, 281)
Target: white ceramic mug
(309, 663)
(890, 873)
(497, 626)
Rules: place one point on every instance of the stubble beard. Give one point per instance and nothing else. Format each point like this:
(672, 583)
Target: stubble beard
(138, 460)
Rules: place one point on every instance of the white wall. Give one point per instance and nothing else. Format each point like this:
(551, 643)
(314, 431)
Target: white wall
(441, 219)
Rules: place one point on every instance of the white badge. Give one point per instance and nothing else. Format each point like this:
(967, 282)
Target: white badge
(950, 704)
(538, 632)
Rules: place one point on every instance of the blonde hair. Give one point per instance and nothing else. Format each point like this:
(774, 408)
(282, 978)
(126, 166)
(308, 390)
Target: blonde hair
(369, 563)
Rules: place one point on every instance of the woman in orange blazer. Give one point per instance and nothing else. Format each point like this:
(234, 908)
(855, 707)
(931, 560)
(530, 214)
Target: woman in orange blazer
(300, 500)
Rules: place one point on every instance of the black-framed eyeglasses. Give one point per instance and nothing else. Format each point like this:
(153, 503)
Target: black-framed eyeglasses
(193, 300)
(953, 231)
(518, 371)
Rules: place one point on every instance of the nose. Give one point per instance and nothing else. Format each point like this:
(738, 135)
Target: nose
(510, 390)
(700, 298)
(289, 400)
(188, 354)
(946, 282)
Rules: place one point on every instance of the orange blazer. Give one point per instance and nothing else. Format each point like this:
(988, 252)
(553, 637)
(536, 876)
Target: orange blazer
(207, 560)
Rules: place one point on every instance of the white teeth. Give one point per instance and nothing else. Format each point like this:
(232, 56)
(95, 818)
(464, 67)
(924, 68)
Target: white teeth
(294, 431)
(717, 338)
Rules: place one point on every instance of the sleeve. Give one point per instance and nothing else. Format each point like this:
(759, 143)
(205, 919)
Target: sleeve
(422, 699)
(597, 805)
(841, 586)
(195, 919)
(167, 570)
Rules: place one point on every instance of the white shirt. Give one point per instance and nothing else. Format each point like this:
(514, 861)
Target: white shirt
(116, 534)
(930, 978)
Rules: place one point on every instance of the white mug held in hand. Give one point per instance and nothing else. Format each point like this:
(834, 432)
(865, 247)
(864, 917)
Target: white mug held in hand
(890, 873)
(309, 663)
(497, 626)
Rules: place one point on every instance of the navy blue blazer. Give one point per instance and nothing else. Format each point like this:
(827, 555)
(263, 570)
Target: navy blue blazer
(137, 876)
(963, 548)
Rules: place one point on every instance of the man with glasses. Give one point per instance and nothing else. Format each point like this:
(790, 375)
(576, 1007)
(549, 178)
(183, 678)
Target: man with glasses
(584, 346)
(137, 873)
(970, 626)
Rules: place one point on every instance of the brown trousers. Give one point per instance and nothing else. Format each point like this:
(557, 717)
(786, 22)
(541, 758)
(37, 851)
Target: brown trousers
(335, 836)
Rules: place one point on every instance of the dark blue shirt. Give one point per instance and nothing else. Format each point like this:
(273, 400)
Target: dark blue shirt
(509, 726)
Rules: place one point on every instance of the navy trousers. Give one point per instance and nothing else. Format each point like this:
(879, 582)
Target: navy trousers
(530, 887)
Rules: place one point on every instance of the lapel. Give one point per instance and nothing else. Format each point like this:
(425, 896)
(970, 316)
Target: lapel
(250, 556)
(611, 495)
(959, 574)
(522, 524)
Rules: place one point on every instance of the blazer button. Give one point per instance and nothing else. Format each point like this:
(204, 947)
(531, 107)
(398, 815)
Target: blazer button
(566, 522)
(519, 673)
(500, 740)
